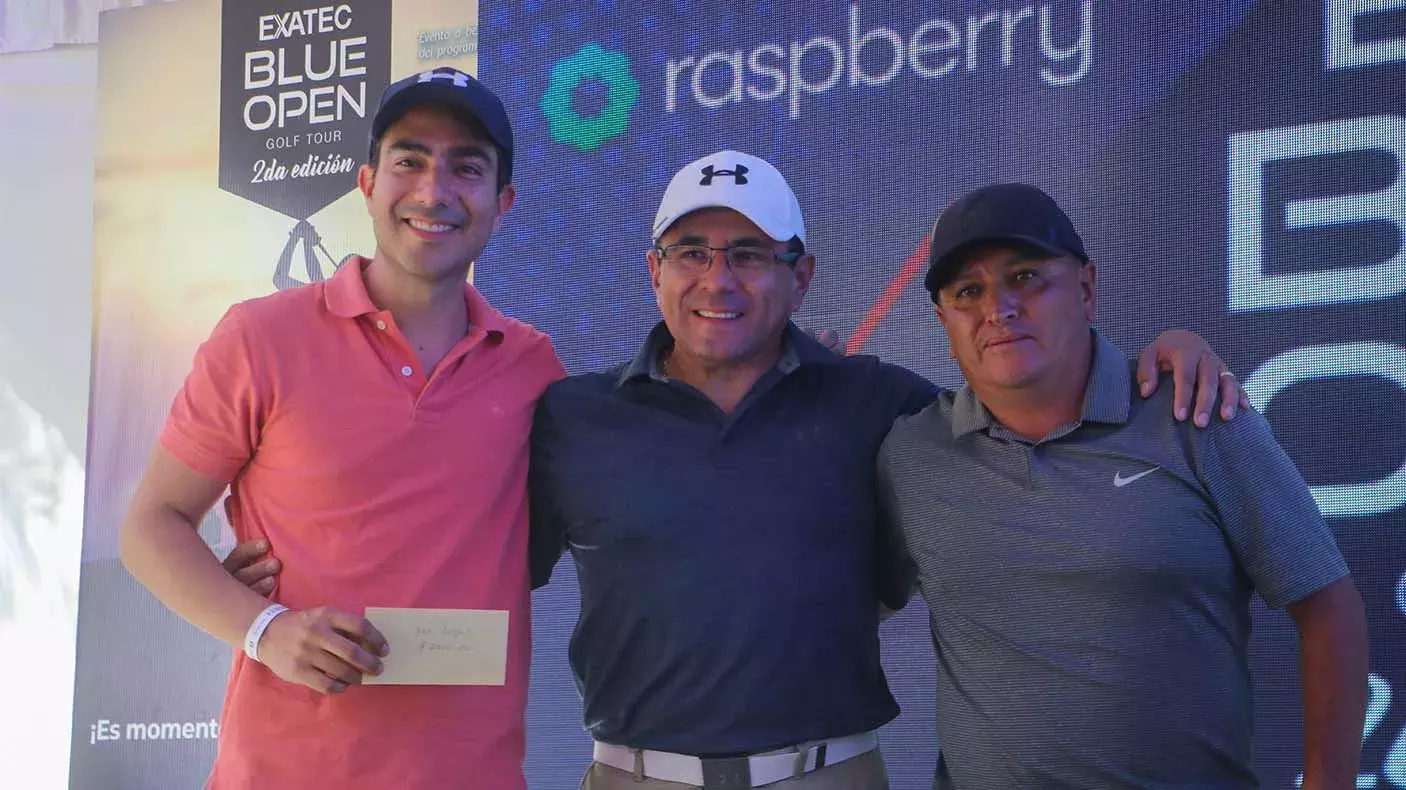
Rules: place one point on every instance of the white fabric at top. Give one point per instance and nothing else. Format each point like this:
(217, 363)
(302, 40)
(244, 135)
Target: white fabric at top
(31, 25)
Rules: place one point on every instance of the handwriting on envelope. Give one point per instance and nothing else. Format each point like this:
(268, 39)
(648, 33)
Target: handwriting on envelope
(442, 647)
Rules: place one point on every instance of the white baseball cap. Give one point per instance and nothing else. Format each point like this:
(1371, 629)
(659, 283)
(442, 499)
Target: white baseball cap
(741, 182)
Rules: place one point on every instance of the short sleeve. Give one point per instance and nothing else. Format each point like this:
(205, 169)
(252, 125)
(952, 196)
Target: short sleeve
(897, 572)
(215, 421)
(908, 393)
(1267, 510)
(547, 530)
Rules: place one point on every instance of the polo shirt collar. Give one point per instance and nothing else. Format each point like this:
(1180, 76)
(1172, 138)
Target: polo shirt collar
(968, 415)
(1107, 395)
(797, 350)
(346, 296)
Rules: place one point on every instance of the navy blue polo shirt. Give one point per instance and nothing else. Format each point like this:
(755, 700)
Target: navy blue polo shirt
(731, 565)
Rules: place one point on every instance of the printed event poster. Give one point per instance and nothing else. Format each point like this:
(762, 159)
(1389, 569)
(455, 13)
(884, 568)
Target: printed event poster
(230, 134)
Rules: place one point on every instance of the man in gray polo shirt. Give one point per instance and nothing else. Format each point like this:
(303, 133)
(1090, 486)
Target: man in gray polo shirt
(1089, 561)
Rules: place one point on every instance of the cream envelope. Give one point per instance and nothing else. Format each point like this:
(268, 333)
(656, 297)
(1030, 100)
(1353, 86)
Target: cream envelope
(442, 647)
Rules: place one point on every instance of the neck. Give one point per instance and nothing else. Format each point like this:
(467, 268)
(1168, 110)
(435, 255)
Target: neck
(414, 301)
(725, 383)
(431, 314)
(1037, 410)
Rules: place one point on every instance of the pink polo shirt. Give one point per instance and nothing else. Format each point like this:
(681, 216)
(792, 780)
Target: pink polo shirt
(376, 485)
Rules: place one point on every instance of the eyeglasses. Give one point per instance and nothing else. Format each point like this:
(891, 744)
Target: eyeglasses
(743, 260)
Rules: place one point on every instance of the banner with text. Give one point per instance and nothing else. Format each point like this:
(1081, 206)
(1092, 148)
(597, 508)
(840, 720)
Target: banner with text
(1238, 169)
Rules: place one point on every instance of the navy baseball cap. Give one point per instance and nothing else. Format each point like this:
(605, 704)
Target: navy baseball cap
(447, 86)
(1016, 213)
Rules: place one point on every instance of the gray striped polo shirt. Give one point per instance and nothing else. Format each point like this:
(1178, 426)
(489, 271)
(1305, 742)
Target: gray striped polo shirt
(1090, 592)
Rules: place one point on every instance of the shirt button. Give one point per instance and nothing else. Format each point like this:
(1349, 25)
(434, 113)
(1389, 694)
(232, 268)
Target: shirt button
(407, 370)
(381, 325)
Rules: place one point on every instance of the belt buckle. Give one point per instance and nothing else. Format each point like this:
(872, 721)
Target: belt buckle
(728, 773)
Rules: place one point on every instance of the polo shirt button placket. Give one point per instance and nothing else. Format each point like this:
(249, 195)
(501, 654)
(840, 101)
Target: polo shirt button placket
(407, 372)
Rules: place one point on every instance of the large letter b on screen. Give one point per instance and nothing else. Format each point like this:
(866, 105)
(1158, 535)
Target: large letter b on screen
(1250, 287)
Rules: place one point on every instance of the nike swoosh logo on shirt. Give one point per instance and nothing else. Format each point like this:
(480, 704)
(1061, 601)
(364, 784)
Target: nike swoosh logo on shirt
(1119, 481)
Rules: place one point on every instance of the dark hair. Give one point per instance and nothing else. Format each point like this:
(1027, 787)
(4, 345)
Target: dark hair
(476, 129)
(795, 248)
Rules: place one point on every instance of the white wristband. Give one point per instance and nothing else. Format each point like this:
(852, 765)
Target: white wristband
(257, 628)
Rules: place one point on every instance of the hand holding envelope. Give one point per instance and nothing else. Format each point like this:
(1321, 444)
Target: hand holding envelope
(324, 648)
(449, 647)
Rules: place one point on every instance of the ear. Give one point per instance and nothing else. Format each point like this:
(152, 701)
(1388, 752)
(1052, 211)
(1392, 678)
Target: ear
(803, 271)
(365, 180)
(942, 317)
(506, 197)
(1088, 281)
(652, 255)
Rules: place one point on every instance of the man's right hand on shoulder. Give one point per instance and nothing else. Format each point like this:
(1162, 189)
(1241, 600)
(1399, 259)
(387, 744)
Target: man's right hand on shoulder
(325, 649)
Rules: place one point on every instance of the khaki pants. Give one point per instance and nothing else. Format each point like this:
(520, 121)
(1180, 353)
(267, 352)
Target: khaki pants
(865, 772)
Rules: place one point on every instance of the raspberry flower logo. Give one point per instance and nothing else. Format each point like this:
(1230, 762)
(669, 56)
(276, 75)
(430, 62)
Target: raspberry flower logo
(611, 69)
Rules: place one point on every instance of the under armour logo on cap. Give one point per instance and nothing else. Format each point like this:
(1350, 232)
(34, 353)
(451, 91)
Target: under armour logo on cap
(447, 86)
(459, 78)
(766, 199)
(738, 173)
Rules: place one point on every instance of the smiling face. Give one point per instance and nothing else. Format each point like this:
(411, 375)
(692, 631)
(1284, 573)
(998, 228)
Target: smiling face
(1014, 319)
(433, 194)
(719, 316)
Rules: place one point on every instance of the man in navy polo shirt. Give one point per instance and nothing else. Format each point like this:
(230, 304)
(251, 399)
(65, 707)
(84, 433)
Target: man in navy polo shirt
(1088, 561)
(718, 497)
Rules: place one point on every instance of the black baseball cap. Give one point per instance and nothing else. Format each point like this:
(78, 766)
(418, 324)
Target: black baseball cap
(447, 86)
(1016, 213)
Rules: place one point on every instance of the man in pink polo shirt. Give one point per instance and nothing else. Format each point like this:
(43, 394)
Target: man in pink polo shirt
(383, 458)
